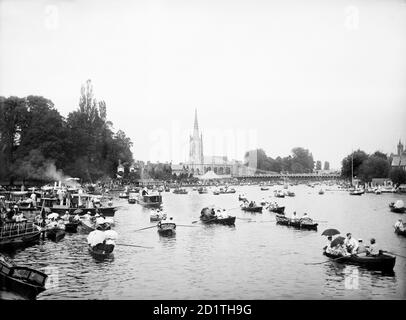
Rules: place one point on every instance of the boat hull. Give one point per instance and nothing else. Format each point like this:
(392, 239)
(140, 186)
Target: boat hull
(400, 232)
(398, 210)
(11, 242)
(252, 209)
(279, 210)
(72, 227)
(55, 235)
(282, 220)
(167, 229)
(101, 251)
(105, 211)
(382, 262)
(229, 221)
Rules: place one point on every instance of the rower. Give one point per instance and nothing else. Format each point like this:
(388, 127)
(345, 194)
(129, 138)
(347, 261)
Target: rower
(372, 249)
(361, 247)
(327, 248)
(350, 244)
(66, 216)
(399, 225)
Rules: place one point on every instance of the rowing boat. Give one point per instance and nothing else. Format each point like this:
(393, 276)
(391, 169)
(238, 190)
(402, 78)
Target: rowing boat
(381, 262)
(101, 250)
(283, 220)
(55, 234)
(166, 228)
(25, 281)
(400, 232)
(227, 221)
(279, 210)
(252, 209)
(72, 226)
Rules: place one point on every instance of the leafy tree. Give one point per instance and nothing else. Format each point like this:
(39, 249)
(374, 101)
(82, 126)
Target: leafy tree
(302, 160)
(398, 176)
(376, 166)
(355, 159)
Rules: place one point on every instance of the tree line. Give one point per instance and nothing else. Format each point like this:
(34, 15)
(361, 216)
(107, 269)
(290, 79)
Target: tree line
(300, 161)
(365, 167)
(37, 143)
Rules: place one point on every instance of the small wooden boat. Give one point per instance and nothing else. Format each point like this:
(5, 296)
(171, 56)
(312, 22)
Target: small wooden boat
(24, 281)
(166, 228)
(216, 192)
(151, 200)
(242, 198)
(180, 191)
(157, 216)
(72, 226)
(356, 192)
(202, 190)
(298, 224)
(101, 250)
(290, 193)
(279, 194)
(397, 209)
(55, 234)
(227, 221)
(252, 209)
(383, 262)
(132, 200)
(123, 195)
(321, 191)
(227, 190)
(275, 209)
(400, 232)
(264, 188)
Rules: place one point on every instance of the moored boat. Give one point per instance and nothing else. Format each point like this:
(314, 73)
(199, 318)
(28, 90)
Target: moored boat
(24, 281)
(276, 209)
(210, 216)
(382, 262)
(251, 208)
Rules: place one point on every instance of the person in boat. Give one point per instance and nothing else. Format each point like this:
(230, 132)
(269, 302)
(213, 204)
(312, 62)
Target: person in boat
(399, 225)
(18, 217)
(110, 203)
(351, 244)
(327, 248)
(372, 249)
(340, 250)
(361, 247)
(66, 216)
(294, 217)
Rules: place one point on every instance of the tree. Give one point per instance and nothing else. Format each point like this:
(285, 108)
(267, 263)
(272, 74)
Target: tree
(326, 165)
(398, 176)
(318, 165)
(302, 160)
(354, 160)
(376, 166)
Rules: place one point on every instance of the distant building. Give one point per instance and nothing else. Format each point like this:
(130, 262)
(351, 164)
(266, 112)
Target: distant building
(399, 159)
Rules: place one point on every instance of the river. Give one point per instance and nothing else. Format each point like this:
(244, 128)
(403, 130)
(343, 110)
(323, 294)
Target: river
(256, 259)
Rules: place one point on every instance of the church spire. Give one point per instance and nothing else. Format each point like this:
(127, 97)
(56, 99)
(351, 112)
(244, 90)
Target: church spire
(196, 126)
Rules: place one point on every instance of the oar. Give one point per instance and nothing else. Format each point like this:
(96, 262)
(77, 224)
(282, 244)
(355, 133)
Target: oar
(326, 261)
(248, 219)
(395, 254)
(145, 228)
(185, 225)
(133, 245)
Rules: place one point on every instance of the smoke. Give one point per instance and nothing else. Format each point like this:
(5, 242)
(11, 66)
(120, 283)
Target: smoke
(36, 166)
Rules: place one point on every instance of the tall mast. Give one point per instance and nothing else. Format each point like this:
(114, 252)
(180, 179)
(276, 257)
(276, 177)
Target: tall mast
(352, 167)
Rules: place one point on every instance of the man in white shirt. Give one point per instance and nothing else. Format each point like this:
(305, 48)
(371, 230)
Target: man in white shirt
(373, 250)
(351, 244)
(399, 225)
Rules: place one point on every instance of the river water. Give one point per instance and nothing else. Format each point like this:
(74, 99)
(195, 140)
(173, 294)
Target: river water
(256, 259)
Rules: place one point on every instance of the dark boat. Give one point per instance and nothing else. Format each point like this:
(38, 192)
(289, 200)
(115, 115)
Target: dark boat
(101, 250)
(264, 188)
(89, 226)
(252, 209)
(72, 226)
(202, 190)
(180, 191)
(356, 192)
(15, 234)
(123, 195)
(132, 200)
(55, 234)
(400, 232)
(151, 200)
(381, 262)
(283, 220)
(279, 210)
(396, 209)
(24, 281)
(166, 228)
(229, 221)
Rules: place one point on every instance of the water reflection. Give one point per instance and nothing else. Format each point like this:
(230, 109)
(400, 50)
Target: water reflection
(205, 260)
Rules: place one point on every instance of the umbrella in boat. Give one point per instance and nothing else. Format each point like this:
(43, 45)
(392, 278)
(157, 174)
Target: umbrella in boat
(78, 211)
(337, 241)
(330, 232)
(53, 216)
(399, 204)
(111, 234)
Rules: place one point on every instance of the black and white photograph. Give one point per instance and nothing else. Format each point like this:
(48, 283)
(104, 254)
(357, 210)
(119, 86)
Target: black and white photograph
(191, 150)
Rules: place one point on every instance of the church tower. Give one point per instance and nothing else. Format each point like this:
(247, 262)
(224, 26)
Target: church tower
(400, 148)
(196, 144)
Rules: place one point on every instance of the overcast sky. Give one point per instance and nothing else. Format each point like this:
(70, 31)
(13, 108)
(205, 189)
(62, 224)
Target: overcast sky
(329, 76)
